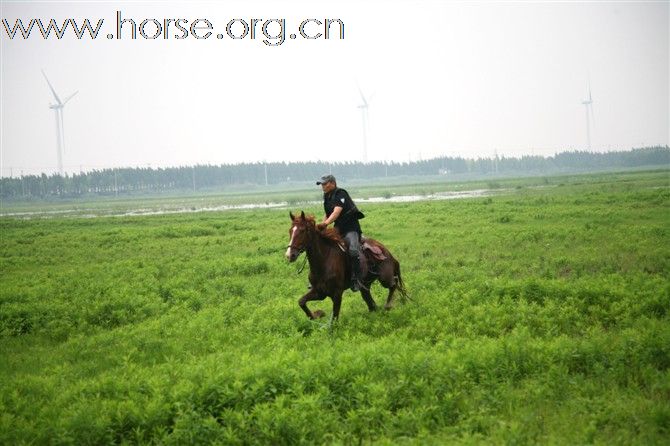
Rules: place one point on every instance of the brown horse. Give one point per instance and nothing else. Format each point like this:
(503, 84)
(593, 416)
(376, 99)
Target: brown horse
(330, 270)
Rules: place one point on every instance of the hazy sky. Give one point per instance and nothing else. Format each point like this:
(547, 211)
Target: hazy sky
(445, 79)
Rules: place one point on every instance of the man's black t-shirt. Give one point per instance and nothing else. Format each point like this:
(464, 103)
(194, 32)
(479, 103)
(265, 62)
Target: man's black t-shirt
(348, 219)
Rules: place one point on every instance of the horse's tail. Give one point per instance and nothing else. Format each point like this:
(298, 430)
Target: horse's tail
(400, 285)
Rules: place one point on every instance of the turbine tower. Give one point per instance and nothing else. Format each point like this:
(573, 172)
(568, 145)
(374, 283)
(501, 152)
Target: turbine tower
(588, 108)
(364, 115)
(60, 130)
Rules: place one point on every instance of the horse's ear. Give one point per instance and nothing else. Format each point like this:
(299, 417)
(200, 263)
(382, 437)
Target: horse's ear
(290, 214)
(302, 214)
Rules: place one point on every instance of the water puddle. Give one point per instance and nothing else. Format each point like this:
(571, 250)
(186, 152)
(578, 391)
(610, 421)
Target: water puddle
(428, 197)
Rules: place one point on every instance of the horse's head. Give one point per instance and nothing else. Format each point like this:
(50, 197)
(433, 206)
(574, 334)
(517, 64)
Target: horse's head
(299, 235)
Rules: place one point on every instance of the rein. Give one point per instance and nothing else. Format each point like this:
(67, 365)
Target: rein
(300, 251)
(302, 267)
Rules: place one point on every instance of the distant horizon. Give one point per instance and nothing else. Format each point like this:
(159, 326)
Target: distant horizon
(334, 163)
(75, 169)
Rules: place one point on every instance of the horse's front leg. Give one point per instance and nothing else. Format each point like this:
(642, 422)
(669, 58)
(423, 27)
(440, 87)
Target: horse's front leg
(367, 297)
(337, 302)
(312, 294)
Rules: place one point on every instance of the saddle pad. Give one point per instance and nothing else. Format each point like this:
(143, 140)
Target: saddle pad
(375, 250)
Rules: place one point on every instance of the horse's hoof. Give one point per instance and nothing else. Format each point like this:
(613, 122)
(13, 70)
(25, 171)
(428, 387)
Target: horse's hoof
(318, 314)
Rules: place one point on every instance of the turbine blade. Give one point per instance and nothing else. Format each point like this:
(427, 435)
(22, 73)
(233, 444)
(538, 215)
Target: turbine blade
(52, 88)
(70, 97)
(365, 103)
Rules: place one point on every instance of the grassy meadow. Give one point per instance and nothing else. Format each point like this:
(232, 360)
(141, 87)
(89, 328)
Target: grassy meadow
(538, 315)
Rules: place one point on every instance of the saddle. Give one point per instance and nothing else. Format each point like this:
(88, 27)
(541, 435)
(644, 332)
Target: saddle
(370, 246)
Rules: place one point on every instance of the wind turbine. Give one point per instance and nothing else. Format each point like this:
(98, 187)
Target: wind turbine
(60, 130)
(588, 108)
(364, 114)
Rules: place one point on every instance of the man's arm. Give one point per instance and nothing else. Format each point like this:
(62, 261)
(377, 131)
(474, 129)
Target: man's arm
(333, 216)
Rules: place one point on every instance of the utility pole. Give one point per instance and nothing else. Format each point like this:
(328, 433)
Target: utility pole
(116, 188)
(266, 173)
(193, 178)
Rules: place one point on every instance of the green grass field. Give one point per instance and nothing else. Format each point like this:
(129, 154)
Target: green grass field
(539, 315)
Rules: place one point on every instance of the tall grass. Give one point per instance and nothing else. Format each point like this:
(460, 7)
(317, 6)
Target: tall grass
(538, 316)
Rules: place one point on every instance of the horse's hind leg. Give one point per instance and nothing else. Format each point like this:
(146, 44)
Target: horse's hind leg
(389, 300)
(388, 280)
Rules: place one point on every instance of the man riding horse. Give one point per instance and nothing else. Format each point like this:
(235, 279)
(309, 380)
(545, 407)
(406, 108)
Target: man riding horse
(340, 208)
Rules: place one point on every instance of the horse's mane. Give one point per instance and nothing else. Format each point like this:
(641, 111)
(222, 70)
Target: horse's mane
(329, 234)
(332, 235)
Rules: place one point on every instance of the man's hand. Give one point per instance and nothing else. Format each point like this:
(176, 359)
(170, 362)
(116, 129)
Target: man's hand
(321, 226)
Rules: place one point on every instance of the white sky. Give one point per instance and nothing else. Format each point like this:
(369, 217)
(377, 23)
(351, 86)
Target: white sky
(448, 79)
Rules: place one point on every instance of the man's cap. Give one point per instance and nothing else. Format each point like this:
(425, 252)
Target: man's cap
(325, 179)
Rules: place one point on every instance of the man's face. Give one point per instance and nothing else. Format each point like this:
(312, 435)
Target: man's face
(327, 187)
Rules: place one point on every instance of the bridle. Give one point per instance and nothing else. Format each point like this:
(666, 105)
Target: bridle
(300, 251)
(297, 248)
(292, 246)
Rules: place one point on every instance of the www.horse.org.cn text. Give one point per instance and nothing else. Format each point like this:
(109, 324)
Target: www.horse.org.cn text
(272, 32)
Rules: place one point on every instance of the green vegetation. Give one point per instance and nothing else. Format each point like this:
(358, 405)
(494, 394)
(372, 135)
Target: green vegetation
(539, 315)
(207, 178)
(295, 195)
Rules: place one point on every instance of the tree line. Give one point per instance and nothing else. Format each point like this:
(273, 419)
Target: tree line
(199, 177)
